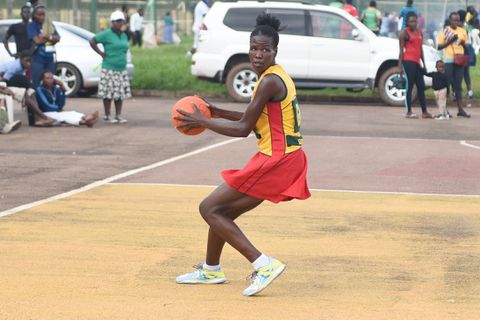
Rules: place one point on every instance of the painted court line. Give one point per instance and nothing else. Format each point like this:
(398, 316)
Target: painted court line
(116, 177)
(464, 143)
(311, 189)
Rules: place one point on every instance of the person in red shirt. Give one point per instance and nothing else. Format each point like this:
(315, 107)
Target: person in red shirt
(350, 8)
(410, 63)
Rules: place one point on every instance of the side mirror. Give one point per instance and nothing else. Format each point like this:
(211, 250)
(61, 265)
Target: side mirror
(356, 35)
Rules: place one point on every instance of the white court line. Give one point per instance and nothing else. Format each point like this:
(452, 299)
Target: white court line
(311, 189)
(116, 177)
(378, 138)
(464, 143)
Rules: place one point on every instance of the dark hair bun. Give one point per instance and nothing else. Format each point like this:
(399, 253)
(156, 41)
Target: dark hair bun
(266, 19)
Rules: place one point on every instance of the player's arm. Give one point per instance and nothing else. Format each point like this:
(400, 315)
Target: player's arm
(271, 88)
(222, 113)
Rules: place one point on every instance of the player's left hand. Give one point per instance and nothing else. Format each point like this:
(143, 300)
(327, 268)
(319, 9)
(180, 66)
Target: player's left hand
(191, 120)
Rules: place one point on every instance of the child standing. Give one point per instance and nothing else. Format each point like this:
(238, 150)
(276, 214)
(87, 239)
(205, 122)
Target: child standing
(440, 89)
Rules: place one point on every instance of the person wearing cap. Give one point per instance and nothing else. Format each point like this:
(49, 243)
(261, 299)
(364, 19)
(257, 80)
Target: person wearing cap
(43, 36)
(114, 82)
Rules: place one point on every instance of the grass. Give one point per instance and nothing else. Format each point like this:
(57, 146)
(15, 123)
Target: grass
(166, 68)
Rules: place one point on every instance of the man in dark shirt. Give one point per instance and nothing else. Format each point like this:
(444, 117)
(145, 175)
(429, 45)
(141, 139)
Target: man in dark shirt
(19, 30)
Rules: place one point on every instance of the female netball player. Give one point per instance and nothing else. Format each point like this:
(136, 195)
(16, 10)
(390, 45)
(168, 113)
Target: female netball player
(276, 173)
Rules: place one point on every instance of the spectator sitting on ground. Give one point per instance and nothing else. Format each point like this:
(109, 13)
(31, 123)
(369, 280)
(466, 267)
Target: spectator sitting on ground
(51, 98)
(13, 73)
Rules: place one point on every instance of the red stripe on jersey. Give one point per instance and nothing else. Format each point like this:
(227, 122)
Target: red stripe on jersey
(275, 120)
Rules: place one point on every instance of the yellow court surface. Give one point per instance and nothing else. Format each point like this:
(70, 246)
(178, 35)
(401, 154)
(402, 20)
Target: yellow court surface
(113, 252)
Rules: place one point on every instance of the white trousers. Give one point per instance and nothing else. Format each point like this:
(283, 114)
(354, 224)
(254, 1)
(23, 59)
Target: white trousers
(71, 117)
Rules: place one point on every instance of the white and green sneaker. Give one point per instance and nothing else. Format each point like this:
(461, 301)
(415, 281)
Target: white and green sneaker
(263, 277)
(201, 275)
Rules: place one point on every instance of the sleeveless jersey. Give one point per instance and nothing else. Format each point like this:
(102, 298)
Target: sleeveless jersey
(413, 47)
(278, 127)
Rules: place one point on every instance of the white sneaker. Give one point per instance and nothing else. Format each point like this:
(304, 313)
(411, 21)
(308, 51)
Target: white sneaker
(440, 117)
(120, 120)
(9, 127)
(202, 276)
(263, 277)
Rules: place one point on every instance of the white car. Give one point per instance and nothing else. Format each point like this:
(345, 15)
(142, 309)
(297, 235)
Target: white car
(320, 47)
(78, 66)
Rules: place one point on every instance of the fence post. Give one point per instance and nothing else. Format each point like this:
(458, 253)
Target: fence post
(93, 16)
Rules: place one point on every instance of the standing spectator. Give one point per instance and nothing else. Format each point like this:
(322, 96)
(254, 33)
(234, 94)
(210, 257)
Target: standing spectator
(136, 26)
(470, 52)
(114, 83)
(126, 26)
(385, 25)
(471, 15)
(19, 31)
(44, 37)
(168, 29)
(350, 8)
(337, 4)
(454, 40)
(474, 36)
(13, 73)
(51, 99)
(393, 22)
(405, 11)
(201, 10)
(440, 89)
(409, 62)
(421, 22)
(372, 18)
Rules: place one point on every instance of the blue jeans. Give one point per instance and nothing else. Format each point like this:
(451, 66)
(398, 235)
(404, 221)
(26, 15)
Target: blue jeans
(38, 67)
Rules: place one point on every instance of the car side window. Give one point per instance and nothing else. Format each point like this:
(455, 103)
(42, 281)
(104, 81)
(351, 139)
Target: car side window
(329, 25)
(242, 19)
(292, 21)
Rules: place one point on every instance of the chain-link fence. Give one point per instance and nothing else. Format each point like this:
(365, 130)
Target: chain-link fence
(93, 14)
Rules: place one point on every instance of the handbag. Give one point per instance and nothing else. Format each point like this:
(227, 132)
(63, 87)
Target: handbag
(461, 60)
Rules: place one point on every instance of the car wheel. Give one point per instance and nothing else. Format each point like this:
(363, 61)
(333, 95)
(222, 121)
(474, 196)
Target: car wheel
(388, 92)
(241, 80)
(70, 77)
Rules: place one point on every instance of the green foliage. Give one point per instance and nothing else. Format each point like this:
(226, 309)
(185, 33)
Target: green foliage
(166, 68)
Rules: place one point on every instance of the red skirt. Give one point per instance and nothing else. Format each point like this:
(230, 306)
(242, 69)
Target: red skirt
(272, 178)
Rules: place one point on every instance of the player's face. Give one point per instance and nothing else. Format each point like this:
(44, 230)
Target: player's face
(39, 15)
(262, 53)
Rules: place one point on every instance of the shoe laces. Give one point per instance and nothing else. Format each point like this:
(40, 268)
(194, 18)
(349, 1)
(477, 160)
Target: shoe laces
(251, 277)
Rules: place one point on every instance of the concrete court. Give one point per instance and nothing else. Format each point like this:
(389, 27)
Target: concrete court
(112, 252)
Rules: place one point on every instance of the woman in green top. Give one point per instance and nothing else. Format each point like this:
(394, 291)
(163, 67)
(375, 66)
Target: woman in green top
(168, 29)
(372, 18)
(114, 82)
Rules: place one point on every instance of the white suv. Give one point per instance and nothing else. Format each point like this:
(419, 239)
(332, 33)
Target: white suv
(320, 47)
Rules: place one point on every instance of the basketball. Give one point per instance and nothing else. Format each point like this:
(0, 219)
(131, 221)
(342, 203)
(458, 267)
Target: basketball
(186, 104)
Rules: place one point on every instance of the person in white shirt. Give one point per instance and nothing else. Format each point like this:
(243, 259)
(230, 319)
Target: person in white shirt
(201, 10)
(136, 26)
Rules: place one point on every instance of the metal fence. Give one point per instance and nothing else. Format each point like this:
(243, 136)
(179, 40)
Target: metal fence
(89, 14)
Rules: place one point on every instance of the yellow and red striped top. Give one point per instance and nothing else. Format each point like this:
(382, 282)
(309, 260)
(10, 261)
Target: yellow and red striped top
(278, 127)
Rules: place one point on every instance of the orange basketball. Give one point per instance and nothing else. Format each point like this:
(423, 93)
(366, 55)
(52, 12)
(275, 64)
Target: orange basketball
(186, 104)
